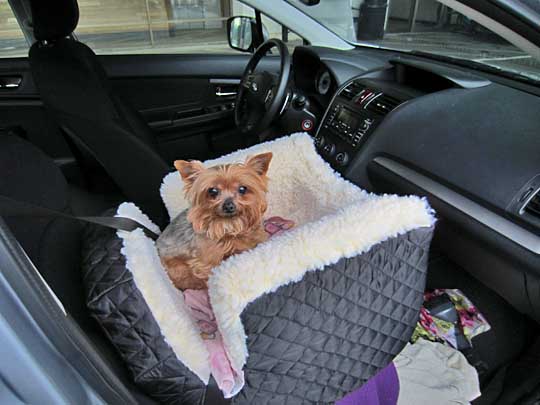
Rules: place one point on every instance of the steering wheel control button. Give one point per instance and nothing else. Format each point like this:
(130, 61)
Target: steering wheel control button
(329, 149)
(299, 102)
(268, 97)
(307, 125)
(342, 158)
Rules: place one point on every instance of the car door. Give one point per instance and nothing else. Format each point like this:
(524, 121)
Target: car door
(187, 100)
(169, 59)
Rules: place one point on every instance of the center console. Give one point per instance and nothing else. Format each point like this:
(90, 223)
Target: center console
(356, 110)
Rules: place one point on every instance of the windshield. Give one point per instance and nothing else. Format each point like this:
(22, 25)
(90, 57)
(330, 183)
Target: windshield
(420, 25)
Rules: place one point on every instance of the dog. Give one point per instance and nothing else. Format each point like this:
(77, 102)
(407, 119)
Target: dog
(227, 204)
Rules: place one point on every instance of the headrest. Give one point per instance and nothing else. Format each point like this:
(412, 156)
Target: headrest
(54, 19)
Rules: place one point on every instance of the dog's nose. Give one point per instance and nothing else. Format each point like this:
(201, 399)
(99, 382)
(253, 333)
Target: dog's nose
(228, 206)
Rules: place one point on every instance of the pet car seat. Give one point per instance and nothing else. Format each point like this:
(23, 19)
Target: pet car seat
(310, 315)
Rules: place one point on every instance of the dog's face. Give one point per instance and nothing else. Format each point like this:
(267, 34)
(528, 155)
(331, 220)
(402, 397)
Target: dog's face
(226, 200)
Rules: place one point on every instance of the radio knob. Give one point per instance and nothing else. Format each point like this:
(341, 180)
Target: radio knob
(329, 149)
(342, 158)
(366, 124)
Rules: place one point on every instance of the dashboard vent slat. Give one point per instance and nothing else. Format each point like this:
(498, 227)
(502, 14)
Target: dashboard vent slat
(352, 90)
(382, 105)
(348, 94)
(533, 206)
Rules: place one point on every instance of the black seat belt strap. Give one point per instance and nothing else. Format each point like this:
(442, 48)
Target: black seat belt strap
(12, 207)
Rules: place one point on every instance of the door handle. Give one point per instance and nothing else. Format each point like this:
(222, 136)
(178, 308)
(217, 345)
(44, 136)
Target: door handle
(220, 93)
(225, 89)
(10, 82)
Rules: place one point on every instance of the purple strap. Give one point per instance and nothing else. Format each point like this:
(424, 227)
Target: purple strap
(382, 389)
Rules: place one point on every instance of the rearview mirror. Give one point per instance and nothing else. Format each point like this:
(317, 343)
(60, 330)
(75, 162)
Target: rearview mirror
(243, 35)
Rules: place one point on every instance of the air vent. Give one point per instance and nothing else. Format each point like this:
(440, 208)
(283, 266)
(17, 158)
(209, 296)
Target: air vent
(382, 104)
(351, 90)
(533, 206)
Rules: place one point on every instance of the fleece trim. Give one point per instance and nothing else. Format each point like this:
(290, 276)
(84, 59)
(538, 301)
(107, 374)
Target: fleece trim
(302, 186)
(335, 219)
(164, 300)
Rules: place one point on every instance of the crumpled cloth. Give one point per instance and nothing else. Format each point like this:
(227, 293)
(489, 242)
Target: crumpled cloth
(433, 373)
(424, 373)
(434, 329)
(277, 225)
(381, 389)
(229, 380)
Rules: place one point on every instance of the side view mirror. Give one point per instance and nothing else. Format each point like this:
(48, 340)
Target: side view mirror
(243, 34)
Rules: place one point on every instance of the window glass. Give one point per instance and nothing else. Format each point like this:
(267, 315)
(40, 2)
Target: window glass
(422, 25)
(12, 41)
(276, 30)
(160, 26)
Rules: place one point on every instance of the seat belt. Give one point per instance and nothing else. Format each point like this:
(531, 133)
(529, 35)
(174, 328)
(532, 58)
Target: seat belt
(12, 207)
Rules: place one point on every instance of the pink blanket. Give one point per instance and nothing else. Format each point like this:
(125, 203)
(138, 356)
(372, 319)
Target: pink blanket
(229, 380)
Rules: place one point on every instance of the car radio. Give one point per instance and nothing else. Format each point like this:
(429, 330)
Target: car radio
(356, 110)
(348, 125)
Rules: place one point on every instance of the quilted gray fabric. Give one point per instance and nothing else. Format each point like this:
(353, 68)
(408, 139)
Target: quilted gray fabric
(309, 342)
(317, 340)
(116, 303)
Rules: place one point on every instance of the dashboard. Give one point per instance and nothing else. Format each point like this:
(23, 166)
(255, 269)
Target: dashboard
(313, 77)
(355, 112)
(466, 140)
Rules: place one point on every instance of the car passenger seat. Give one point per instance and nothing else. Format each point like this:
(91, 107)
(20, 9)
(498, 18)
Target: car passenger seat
(76, 92)
(54, 244)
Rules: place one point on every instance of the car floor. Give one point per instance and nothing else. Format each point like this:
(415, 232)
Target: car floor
(499, 353)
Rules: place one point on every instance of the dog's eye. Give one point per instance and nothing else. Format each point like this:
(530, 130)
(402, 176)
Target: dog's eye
(213, 192)
(242, 190)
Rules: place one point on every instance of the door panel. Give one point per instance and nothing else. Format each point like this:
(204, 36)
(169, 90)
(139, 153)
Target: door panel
(22, 113)
(181, 65)
(187, 100)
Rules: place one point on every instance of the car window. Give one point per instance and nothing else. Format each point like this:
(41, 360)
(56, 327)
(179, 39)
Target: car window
(428, 26)
(163, 26)
(276, 30)
(12, 40)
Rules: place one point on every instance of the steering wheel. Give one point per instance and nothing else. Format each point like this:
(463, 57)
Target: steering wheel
(261, 95)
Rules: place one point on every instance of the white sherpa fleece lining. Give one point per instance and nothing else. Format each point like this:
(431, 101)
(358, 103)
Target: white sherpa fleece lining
(334, 219)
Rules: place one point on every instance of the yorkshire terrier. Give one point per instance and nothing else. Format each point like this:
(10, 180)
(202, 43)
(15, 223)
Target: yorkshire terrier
(226, 217)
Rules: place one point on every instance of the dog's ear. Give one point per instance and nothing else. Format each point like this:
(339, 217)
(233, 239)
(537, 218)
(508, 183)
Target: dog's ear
(188, 170)
(259, 163)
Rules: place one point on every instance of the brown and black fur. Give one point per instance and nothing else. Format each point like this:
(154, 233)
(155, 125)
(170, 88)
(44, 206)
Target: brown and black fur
(198, 239)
